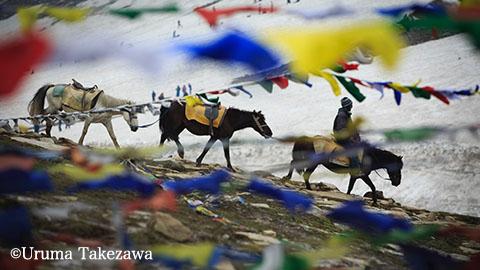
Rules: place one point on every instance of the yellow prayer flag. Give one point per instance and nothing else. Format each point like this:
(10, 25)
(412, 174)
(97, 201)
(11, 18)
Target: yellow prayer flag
(27, 16)
(314, 48)
(400, 88)
(331, 80)
(198, 254)
(82, 174)
(334, 248)
(68, 14)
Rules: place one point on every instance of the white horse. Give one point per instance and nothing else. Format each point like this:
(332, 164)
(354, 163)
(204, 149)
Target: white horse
(102, 101)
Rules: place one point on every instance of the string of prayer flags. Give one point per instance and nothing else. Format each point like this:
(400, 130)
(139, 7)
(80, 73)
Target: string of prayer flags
(15, 227)
(19, 181)
(127, 181)
(18, 57)
(212, 16)
(235, 47)
(293, 201)
(27, 16)
(208, 183)
(314, 48)
(353, 214)
(135, 13)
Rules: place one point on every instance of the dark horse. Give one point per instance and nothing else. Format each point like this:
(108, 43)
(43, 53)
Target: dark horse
(173, 122)
(374, 159)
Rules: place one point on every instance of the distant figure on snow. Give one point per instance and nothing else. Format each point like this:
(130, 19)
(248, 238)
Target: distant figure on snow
(179, 24)
(178, 91)
(184, 91)
(154, 95)
(175, 35)
(189, 89)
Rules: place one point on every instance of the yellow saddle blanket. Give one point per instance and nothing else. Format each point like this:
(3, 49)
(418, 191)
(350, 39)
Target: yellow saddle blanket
(323, 144)
(78, 99)
(197, 113)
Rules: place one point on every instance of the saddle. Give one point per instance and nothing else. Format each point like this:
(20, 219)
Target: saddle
(203, 114)
(79, 86)
(327, 145)
(79, 99)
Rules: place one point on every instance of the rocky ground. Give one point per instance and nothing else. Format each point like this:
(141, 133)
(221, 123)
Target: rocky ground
(245, 221)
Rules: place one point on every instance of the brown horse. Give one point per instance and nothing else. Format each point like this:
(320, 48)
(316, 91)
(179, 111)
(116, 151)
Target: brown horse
(173, 122)
(304, 163)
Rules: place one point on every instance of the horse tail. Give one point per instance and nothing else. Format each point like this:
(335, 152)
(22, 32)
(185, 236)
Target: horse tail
(301, 155)
(163, 120)
(35, 106)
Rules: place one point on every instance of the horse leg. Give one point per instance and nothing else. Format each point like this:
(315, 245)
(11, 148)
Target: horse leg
(369, 182)
(108, 125)
(48, 128)
(290, 171)
(351, 184)
(226, 150)
(306, 176)
(163, 138)
(86, 125)
(180, 149)
(209, 144)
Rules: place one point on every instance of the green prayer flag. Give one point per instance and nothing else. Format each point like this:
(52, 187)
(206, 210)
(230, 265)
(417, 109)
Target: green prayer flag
(413, 134)
(294, 262)
(134, 13)
(351, 88)
(267, 85)
(420, 232)
(419, 92)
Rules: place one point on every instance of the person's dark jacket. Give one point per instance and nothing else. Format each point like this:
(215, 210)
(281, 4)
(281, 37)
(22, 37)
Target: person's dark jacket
(342, 121)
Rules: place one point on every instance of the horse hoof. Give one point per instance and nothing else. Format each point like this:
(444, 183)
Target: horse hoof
(198, 164)
(231, 169)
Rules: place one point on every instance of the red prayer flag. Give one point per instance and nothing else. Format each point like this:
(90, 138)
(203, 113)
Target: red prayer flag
(436, 94)
(162, 200)
(281, 81)
(17, 58)
(349, 66)
(211, 16)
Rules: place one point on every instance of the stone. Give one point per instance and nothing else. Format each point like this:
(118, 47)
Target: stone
(42, 144)
(336, 196)
(260, 205)
(170, 227)
(324, 187)
(259, 239)
(379, 193)
(270, 233)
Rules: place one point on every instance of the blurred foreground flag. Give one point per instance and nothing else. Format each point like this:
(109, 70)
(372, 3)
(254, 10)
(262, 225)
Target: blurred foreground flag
(18, 57)
(27, 16)
(235, 47)
(19, 181)
(124, 182)
(354, 215)
(208, 183)
(314, 48)
(15, 227)
(211, 16)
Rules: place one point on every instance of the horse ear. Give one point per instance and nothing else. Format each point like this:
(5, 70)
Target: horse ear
(401, 157)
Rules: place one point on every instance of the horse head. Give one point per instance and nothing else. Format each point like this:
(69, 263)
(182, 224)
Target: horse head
(394, 169)
(260, 125)
(130, 116)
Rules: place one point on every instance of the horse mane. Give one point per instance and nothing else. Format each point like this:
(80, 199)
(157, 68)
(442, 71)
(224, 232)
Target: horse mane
(109, 101)
(245, 111)
(383, 154)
